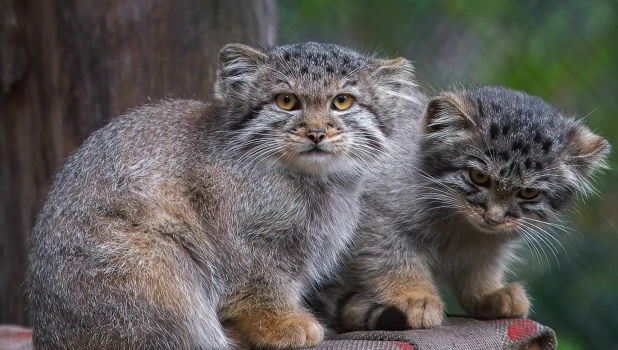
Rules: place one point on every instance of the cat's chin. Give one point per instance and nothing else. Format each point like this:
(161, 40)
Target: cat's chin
(319, 163)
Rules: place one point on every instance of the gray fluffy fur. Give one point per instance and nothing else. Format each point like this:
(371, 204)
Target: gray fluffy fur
(423, 218)
(179, 209)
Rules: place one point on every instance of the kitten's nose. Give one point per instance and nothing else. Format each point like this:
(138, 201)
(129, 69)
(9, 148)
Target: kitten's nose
(316, 135)
(494, 215)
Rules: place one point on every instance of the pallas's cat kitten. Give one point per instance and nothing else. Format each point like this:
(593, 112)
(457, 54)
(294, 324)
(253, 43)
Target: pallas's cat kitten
(490, 168)
(190, 225)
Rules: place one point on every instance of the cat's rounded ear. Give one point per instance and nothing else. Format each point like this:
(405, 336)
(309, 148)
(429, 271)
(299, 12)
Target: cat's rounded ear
(393, 73)
(586, 152)
(394, 68)
(238, 64)
(448, 116)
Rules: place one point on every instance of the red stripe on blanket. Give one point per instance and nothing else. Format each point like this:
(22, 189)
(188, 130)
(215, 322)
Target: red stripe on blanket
(521, 329)
(403, 346)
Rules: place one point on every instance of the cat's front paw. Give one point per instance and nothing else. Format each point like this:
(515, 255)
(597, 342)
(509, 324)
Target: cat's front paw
(296, 330)
(508, 302)
(418, 309)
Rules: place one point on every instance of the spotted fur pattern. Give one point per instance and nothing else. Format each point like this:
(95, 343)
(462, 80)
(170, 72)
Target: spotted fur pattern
(424, 217)
(192, 225)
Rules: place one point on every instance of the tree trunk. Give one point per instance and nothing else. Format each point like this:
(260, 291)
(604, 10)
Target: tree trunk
(66, 67)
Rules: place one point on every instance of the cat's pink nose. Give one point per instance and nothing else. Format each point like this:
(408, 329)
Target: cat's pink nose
(316, 135)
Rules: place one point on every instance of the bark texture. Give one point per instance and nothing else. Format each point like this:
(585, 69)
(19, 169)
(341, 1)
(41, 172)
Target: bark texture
(68, 66)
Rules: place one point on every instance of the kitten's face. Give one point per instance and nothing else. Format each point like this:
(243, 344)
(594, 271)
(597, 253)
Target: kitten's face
(509, 160)
(312, 108)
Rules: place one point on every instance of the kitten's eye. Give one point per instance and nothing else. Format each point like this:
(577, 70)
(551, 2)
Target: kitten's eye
(529, 193)
(287, 102)
(343, 102)
(478, 177)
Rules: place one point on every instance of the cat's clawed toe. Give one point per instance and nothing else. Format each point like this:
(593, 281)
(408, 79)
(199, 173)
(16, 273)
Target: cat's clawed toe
(507, 302)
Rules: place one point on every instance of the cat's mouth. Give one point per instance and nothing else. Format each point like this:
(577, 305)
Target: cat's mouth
(475, 216)
(321, 158)
(315, 151)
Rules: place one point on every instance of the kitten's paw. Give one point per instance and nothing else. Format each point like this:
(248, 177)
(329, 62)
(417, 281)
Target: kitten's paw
(420, 309)
(297, 330)
(508, 302)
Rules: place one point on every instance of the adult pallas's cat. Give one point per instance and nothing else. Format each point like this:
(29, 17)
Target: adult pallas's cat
(183, 217)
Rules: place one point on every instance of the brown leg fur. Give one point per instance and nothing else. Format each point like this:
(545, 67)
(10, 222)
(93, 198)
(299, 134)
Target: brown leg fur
(416, 296)
(253, 323)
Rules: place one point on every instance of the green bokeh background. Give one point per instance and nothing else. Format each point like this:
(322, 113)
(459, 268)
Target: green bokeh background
(563, 51)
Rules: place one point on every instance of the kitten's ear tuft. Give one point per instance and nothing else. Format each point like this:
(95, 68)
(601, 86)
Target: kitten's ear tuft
(238, 64)
(587, 152)
(448, 116)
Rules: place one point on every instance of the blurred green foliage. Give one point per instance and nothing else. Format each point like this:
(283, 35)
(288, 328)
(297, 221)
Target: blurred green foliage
(565, 51)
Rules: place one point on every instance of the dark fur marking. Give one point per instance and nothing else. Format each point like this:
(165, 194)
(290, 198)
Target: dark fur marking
(503, 171)
(511, 168)
(376, 117)
(505, 130)
(494, 131)
(479, 102)
(245, 119)
(278, 123)
(235, 85)
(392, 319)
(525, 150)
(547, 145)
(478, 159)
(528, 163)
(304, 70)
(495, 107)
(517, 146)
(537, 137)
(538, 166)
(504, 156)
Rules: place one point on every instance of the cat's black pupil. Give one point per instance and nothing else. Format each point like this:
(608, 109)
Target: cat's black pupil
(342, 98)
(286, 99)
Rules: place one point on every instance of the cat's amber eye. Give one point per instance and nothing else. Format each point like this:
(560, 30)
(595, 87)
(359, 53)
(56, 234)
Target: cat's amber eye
(287, 102)
(478, 177)
(529, 193)
(343, 101)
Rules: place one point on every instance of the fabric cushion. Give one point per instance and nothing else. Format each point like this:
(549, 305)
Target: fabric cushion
(455, 333)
